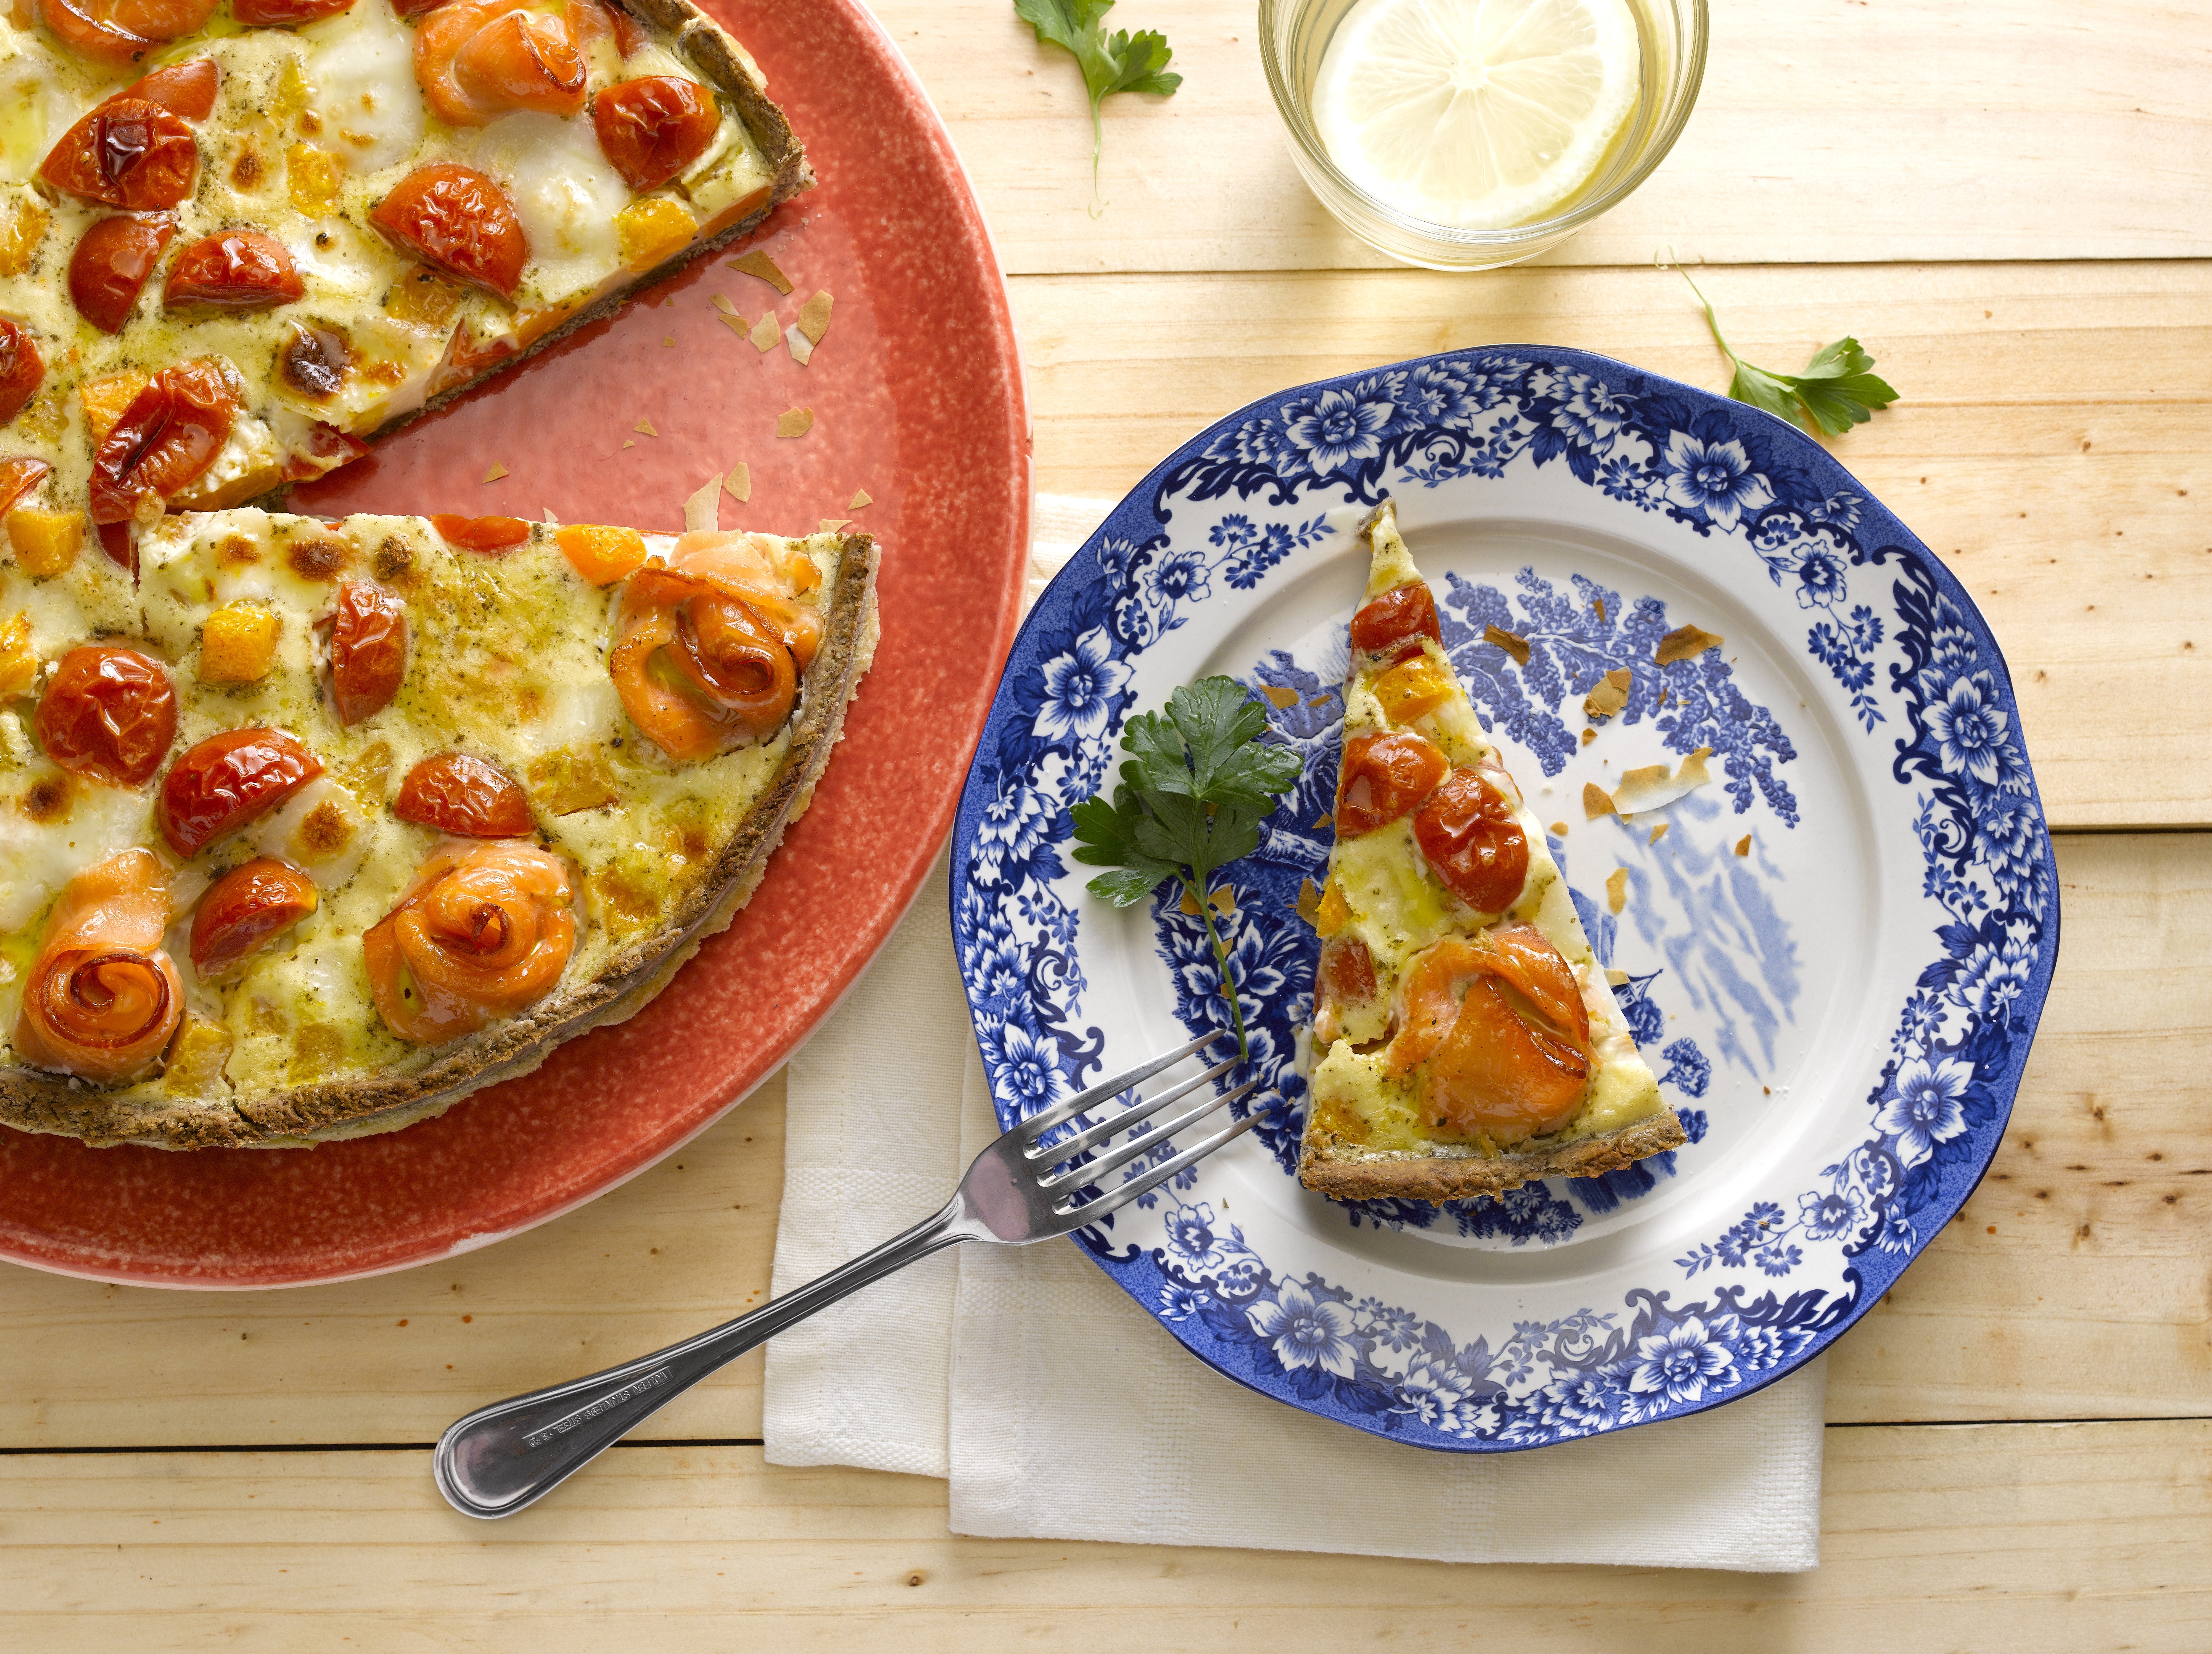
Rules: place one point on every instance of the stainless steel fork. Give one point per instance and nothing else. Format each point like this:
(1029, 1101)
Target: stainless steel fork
(1028, 1186)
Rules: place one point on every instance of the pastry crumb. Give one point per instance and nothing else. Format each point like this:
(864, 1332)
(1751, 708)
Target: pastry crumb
(795, 421)
(1616, 889)
(738, 482)
(1279, 695)
(1512, 642)
(1597, 801)
(1683, 643)
(644, 427)
(766, 335)
(1608, 695)
(1559, 830)
(494, 473)
(1657, 833)
(1743, 845)
(814, 317)
(801, 347)
(860, 497)
(1308, 900)
(758, 262)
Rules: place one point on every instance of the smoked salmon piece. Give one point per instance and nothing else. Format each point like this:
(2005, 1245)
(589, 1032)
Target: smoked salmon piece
(101, 1000)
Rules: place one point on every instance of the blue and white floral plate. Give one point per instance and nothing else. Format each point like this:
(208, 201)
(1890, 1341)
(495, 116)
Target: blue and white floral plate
(1834, 959)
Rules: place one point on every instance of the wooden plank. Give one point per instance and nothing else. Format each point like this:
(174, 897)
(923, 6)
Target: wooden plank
(2024, 129)
(2073, 1285)
(2022, 1537)
(2050, 446)
(2038, 1320)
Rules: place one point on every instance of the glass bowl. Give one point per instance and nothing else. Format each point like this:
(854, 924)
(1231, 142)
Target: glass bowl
(1294, 34)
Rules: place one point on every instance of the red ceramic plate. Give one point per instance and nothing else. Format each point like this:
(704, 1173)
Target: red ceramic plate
(917, 399)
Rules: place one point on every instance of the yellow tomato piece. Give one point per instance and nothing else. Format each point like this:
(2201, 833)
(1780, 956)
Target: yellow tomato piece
(315, 176)
(106, 400)
(19, 663)
(1334, 914)
(1412, 688)
(46, 543)
(196, 1061)
(22, 227)
(653, 230)
(601, 555)
(423, 298)
(237, 644)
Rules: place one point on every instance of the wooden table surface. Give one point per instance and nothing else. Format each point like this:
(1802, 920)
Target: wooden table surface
(2006, 201)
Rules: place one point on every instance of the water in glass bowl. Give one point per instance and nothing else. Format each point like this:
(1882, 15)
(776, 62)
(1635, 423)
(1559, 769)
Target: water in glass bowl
(1478, 115)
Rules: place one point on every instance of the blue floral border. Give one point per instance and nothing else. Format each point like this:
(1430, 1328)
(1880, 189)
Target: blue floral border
(1917, 664)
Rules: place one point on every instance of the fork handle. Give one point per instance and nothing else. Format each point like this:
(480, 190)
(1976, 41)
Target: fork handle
(512, 1453)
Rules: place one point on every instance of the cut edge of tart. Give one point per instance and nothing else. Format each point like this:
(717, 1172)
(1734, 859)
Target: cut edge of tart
(140, 1110)
(1466, 1040)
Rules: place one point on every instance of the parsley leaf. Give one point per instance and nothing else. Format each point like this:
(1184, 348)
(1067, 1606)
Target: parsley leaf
(1124, 62)
(1198, 783)
(1838, 390)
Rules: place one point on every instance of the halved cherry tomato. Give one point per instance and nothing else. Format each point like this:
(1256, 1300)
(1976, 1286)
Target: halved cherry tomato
(122, 551)
(489, 535)
(23, 369)
(285, 14)
(185, 88)
(109, 713)
(245, 908)
(698, 671)
(485, 930)
(1385, 773)
(652, 128)
(121, 32)
(368, 649)
(460, 220)
(170, 434)
(313, 361)
(476, 59)
(129, 153)
(18, 477)
(225, 780)
(457, 793)
(1471, 839)
(1397, 616)
(238, 270)
(111, 262)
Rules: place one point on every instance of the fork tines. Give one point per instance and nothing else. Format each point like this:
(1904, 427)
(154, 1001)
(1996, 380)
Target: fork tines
(1079, 1174)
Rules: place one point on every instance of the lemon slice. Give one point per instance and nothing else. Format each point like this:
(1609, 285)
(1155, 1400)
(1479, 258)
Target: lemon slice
(1478, 115)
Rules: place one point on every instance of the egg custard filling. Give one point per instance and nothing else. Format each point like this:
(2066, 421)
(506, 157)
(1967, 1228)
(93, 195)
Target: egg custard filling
(235, 245)
(1466, 1039)
(325, 824)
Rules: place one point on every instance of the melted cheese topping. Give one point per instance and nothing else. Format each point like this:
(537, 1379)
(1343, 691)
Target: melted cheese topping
(1397, 907)
(506, 660)
(339, 98)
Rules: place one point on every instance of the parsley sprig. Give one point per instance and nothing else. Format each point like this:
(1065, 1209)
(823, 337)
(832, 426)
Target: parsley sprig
(1838, 390)
(1198, 783)
(1124, 62)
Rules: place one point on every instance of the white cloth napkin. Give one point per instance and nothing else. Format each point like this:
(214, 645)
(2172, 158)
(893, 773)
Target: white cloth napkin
(1059, 1409)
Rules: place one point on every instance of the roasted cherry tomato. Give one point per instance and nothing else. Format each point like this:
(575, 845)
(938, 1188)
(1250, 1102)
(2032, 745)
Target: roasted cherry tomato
(1470, 838)
(489, 535)
(1397, 616)
(368, 650)
(111, 262)
(122, 551)
(23, 369)
(225, 780)
(122, 32)
(652, 128)
(1386, 773)
(245, 908)
(476, 59)
(129, 153)
(186, 88)
(238, 269)
(285, 14)
(109, 713)
(170, 434)
(18, 477)
(457, 793)
(313, 361)
(459, 220)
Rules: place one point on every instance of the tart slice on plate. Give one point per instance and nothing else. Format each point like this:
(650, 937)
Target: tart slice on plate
(326, 824)
(1466, 1040)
